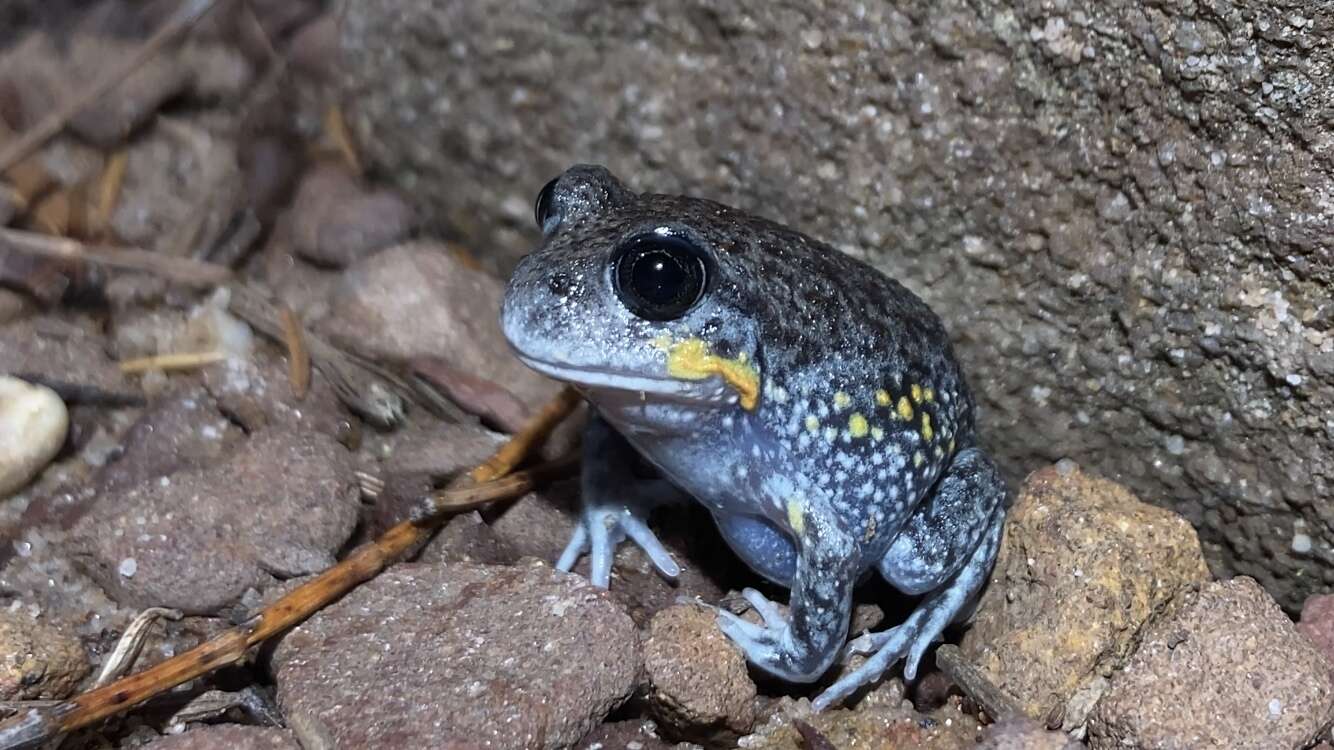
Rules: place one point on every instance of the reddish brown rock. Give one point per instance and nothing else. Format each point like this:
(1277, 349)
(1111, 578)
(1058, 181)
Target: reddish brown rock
(337, 221)
(1082, 566)
(474, 655)
(1221, 667)
(1025, 734)
(229, 737)
(197, 539)
(698, 683)
(419, 300)
(37, 661)
(1318, 623)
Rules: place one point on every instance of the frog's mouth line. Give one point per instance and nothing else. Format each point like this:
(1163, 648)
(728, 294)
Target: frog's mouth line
(710, 391)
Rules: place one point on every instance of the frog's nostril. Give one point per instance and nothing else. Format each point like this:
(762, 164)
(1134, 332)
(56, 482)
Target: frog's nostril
(559, 284)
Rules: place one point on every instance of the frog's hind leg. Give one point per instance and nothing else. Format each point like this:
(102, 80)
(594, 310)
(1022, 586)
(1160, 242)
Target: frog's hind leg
(947, 548)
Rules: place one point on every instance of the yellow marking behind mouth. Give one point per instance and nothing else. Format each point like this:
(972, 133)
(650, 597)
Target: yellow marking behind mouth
(692, 359)
(796, 516)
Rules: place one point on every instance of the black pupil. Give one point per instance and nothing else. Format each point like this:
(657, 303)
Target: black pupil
(659, 278)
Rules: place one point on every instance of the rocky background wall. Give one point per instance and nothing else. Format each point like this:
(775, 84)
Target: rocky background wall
(1123, 209)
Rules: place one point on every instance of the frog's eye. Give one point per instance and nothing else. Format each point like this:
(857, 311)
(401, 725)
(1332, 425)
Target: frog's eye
(659, 277)
(542, 210)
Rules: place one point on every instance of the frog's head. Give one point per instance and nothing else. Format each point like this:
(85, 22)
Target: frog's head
(636, 299)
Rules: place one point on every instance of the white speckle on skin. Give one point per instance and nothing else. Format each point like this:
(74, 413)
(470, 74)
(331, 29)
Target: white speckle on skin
(128, 567)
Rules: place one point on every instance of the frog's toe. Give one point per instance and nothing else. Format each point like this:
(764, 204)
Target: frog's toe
(867, 643)
(886, 649)
(576, 547)
(773, 617)
(743, 633)
(642, 535)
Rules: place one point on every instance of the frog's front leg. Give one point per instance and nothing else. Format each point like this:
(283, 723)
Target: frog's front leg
(946, 548)
(801, 647)
(615, 505)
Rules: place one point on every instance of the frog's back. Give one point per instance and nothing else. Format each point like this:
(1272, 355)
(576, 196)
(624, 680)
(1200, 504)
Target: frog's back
(843, 338)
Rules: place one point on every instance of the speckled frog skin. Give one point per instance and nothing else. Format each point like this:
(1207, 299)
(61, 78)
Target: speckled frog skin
(812, 404)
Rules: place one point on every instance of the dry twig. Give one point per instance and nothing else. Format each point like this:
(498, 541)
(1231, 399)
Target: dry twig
(176, 361)
(298, 360)
(31, 140)
(181, 270)
(488, 483)
(998, 704)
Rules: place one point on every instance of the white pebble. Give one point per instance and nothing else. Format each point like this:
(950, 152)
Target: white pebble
(33, 422)
(128, 567)
(1301, 543)
(1275, 708)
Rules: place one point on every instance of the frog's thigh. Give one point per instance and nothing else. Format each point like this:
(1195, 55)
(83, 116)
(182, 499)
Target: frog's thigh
(946, 527)
(761, 544)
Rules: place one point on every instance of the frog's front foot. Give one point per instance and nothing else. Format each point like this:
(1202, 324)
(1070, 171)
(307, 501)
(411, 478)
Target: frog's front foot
(771, 646)
(600, 529)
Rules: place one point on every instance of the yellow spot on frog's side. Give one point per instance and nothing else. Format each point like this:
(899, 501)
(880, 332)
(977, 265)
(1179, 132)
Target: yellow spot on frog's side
(812, 424)
(857, 425)
(918, 459)
(905, 409)
(842, 400)
(877, 433)
(796, 516)
(882, 397)
(916, 393)
(692, 360)
(927, 432)
(929, 394)
(951, 445)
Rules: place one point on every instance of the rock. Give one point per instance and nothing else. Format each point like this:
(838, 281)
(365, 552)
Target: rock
(640, 734)
(229, 737)
(198, 539)
(13, 305)
(37, 661)
(54, 348)
(467, 538)
(884, 720)
(110, 119)
(1082, 566)
(257, 393)
(698, 683)
(183, 185)
(383, 301)
(217, 72)
(179, 431)
(184, 430)
(539, 525)
(337, 222)
(1221, 667)
(313, 49)
(1318, 623)
(1025, 734)
(1025, 167)
(480, 397)
(421, 456)
(476, 656)
(33, 421)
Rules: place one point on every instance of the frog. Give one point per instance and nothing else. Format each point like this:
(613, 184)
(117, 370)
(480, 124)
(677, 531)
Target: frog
(811, 403)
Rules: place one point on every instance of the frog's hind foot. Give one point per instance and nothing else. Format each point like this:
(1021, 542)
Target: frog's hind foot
(922, 628)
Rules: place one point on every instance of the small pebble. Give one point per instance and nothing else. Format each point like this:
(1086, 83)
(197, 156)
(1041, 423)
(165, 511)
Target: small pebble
(33, 423)
(128, 567)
